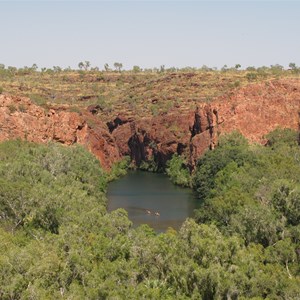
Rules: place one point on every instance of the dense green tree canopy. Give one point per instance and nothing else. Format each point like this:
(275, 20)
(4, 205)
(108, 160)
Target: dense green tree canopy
(58, 241)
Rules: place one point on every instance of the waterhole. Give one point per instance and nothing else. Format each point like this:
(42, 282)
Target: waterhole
(151, 198)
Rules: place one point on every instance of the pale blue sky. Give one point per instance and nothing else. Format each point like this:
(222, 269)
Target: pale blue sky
(150, 33)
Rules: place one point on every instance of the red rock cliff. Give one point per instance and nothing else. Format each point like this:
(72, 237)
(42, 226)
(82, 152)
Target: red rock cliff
(254, 110)
(20, 118)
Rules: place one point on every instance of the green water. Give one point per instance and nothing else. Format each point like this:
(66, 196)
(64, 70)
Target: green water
(142, 192)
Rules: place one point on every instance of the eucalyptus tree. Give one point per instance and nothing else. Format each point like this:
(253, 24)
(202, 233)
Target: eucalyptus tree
(118, 66)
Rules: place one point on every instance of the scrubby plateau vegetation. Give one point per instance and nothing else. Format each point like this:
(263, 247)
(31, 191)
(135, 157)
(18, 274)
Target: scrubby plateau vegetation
(137, 92)
(58, 241)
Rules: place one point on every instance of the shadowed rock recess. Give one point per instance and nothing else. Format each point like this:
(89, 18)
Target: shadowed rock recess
(254, 110)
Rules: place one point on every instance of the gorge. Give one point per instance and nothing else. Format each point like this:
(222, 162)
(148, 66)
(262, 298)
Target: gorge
(254, 110)
(233, 140)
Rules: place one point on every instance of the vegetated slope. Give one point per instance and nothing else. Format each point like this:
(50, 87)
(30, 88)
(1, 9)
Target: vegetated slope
(151, 117)
(141, 94)
(58, 241)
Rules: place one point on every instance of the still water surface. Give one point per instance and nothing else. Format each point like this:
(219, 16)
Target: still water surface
(140, 192)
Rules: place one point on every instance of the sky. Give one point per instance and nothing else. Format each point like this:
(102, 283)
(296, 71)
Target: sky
(149, 33)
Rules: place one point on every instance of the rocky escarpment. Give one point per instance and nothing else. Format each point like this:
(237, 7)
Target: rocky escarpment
(20, 118)
(158, 138)
(254, 110)
(259, 108)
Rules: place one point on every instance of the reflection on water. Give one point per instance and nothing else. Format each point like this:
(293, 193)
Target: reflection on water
(151, 199)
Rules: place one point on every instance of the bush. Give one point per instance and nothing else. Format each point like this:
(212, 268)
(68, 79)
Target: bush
(22, 108)
(12, 108)
(119, 169)
(283, 138)
(232, 148)
(38, 100)
(251, 76)
(178, 171)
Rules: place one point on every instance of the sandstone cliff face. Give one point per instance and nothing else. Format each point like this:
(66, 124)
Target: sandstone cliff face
(20, 118)
(158, 138)
(155, 138)
(258, 109)
(254, 110)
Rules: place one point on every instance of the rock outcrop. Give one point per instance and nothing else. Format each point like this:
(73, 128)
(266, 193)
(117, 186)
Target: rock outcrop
(160, 137)
(20, 118)
(156, 138)
(254, 110)
(257, 109)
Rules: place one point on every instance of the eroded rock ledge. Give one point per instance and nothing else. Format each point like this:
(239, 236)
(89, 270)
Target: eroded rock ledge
(20, 118)
(254, 110)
